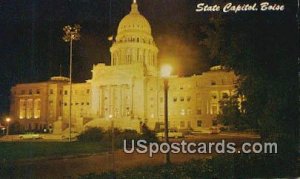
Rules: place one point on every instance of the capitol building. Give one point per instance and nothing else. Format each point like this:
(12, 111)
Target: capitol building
(129, 91)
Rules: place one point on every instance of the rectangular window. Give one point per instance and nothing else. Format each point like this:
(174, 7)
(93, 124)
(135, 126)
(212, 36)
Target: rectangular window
(189, 111)
(37, 91)
(30, 91)
(182, 124)
(29, 108)
(188, 98)
(22, 109)
(214, 110)
(66, 92)
(51, 91)
(199, 111)
(199, 123)
(37, 108)
(161, 99)
(88, 91)
(175, 99)
(181, 99)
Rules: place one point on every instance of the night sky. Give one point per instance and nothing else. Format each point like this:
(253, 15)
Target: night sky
(32, 49)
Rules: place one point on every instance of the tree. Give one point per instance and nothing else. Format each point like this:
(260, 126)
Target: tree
(232, 115)
(262, 49)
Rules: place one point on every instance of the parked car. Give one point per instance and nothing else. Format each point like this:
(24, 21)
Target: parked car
(30, 136)
(173, 133)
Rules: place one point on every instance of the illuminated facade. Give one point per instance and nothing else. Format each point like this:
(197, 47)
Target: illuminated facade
(129, 90)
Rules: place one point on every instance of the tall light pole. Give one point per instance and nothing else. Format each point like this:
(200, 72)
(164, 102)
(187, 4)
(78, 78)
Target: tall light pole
(7, 130)
(165, 74)
(112, 143)
(71, 34)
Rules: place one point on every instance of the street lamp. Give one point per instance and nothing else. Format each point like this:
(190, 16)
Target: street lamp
(165, 74)
(7, 120)
(71, 34)
(112, 143)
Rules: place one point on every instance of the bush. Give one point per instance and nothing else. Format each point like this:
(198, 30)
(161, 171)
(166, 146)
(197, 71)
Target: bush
(148, 134)
(92, 134)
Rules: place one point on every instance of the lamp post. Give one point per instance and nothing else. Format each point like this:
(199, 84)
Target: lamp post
(7, 120)
(165, 74)
(112, 143)
(71, 34)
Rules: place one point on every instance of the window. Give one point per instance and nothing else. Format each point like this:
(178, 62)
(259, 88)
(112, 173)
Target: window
(214, 96)
(161, 99)
(65, 104)
(199, 112)
(213, 83)
(181, 99)
(182, 112)
(22, 108)
(189, 111)
(199, 123)
(51, 91)
(66, 92)
(30, 91)
(29, 108)
(37, 91)
(23, 92)
(88, 91)
(188, 98)
(175, 99)
(87, 103)
(214, 109)
(182, 124)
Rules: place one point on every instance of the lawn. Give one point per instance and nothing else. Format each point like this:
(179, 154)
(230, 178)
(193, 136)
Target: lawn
(29, 150)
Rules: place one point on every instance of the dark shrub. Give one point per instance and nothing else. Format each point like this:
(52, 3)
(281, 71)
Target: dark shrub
(92, 134)
(148, 134)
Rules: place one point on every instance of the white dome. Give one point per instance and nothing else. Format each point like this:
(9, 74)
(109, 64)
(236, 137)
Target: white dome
(134, 21)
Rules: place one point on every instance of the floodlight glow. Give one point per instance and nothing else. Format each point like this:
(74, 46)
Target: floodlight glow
(8, 119)
(165, 71)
